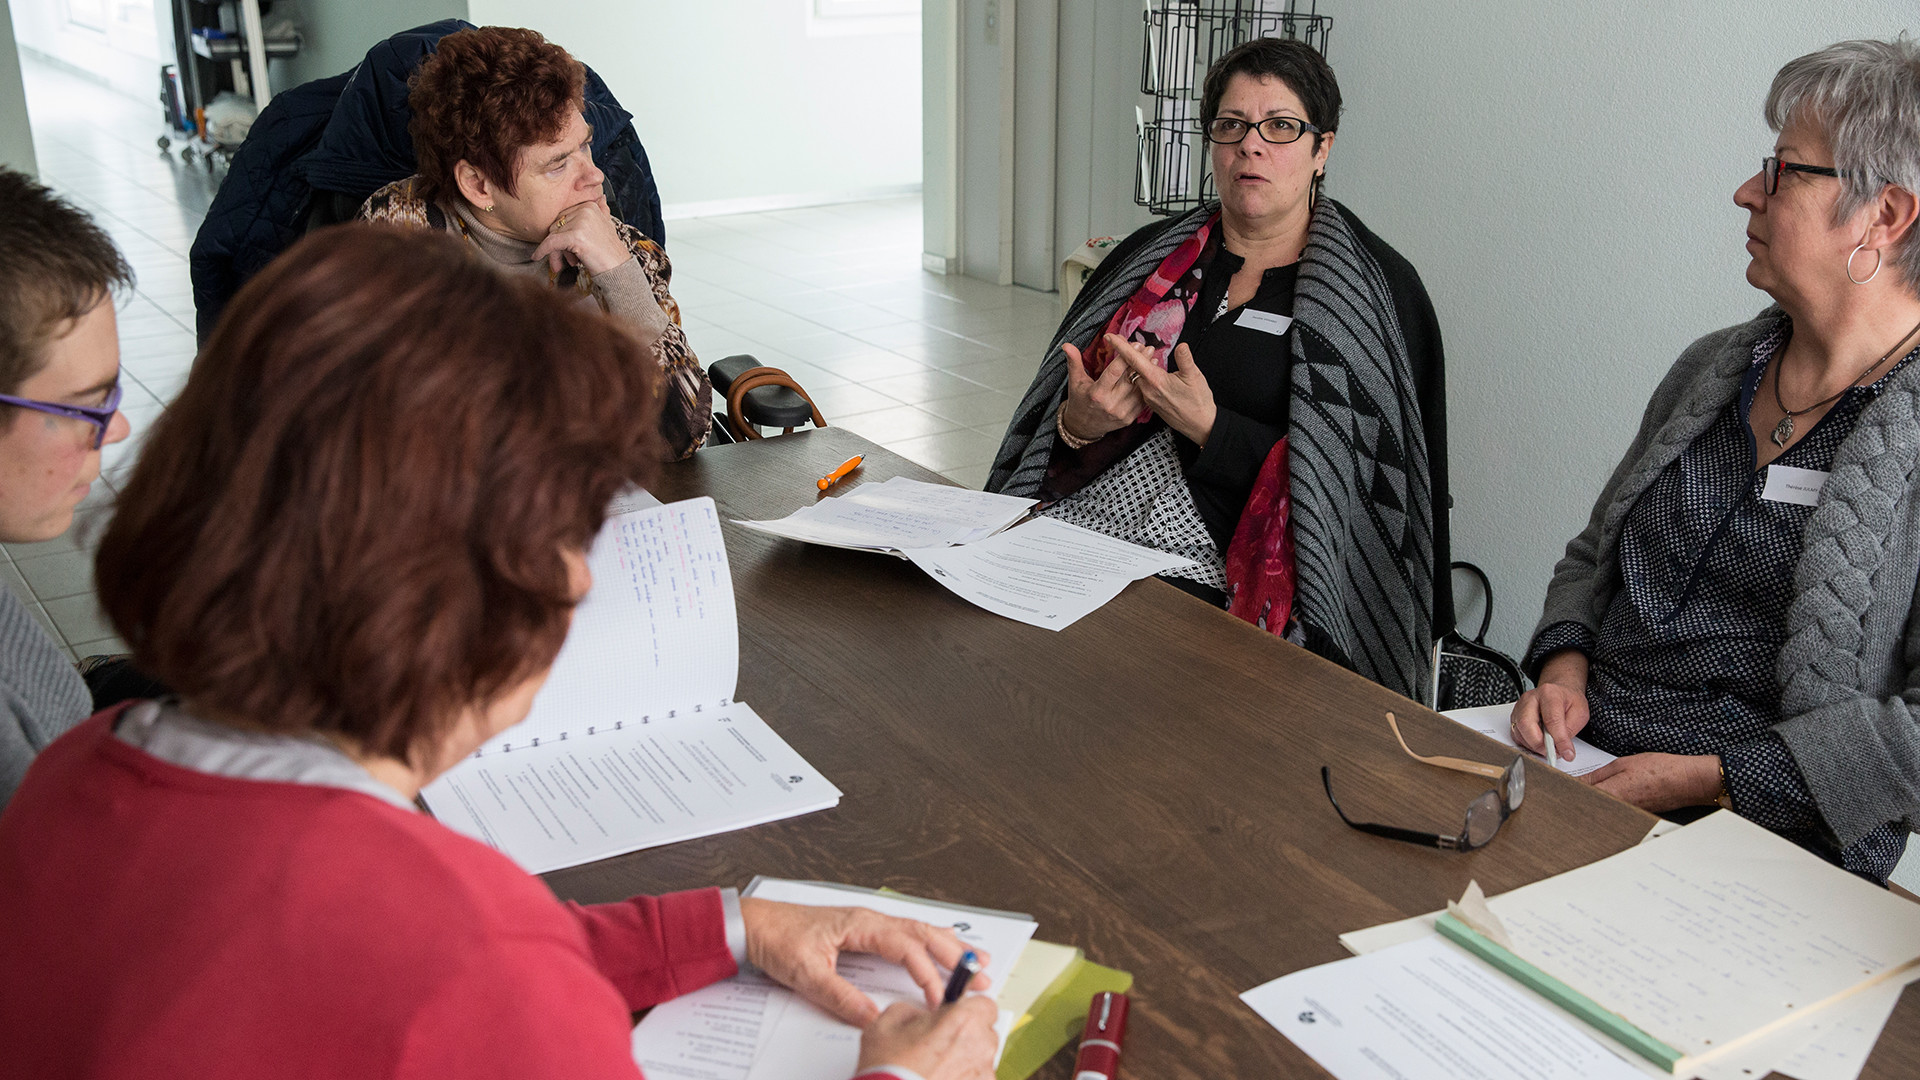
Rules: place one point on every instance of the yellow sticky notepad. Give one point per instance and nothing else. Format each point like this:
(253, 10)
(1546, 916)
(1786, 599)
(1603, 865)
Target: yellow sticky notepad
(1058, 1012)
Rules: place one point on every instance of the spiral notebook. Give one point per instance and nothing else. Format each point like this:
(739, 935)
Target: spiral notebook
(635, 740)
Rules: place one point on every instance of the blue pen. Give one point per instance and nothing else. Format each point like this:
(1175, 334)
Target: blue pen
(963, 973)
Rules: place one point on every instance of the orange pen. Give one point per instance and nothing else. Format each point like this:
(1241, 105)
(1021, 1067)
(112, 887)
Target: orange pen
(846, 467)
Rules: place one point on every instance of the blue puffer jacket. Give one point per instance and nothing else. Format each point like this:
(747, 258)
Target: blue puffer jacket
(348, 134)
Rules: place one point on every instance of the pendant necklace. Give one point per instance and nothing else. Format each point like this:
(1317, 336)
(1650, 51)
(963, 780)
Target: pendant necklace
(1783, 431)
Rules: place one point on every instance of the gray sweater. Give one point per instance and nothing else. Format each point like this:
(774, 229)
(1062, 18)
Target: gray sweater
(41, 695)
(1849, 674)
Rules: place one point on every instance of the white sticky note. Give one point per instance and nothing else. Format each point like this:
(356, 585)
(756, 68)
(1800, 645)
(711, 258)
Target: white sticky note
(1791, 485)
(1264, 320)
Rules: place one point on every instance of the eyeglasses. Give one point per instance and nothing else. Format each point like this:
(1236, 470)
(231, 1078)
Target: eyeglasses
(1278, 130)
(1485, 814)
(100, 416)
(1772, 167)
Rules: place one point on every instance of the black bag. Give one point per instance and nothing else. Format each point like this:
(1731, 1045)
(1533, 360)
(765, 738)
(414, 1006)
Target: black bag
(1471, 673)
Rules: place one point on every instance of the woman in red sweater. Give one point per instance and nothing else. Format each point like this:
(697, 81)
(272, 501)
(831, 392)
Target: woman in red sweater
(353, 546)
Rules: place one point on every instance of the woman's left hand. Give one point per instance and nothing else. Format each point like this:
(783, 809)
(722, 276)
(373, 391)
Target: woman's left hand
(1181, 397)
(583, 235)
(798, 946)
(1660, 782)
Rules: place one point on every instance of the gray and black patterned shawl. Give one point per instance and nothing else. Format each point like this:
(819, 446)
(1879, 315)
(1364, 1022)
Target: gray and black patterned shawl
(1363, 508)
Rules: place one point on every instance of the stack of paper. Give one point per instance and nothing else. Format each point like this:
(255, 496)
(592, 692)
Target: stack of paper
(1718, 950)
(635, 740)
(751, 1028)
(899, 514)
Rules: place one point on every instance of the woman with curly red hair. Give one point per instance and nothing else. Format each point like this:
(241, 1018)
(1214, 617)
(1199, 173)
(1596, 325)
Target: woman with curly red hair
(353, 546)
(506, 164)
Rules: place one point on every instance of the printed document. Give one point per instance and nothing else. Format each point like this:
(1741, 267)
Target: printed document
(1429, 1009)
(1715, 933)
(635, 740)
(750, 1028)
(1495, 722)
(897, 515)
(1046, 573)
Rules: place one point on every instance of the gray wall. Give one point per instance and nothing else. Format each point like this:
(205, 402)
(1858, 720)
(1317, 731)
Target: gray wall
(1562, 176)
(16, 138)
(339, 32)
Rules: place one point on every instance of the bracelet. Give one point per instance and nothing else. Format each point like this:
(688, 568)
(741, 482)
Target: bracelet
(1725, 799)
(1074, 442)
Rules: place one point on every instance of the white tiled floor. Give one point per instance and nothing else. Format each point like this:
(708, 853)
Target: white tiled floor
(927, 366)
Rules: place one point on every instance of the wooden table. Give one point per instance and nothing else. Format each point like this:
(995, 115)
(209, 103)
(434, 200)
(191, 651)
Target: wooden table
(1145, 782)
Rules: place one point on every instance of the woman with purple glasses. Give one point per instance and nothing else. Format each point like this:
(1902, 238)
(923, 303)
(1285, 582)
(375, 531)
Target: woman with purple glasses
(59, 396)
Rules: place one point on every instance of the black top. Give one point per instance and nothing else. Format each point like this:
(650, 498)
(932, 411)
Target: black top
(1248, 369)
(1419, 328)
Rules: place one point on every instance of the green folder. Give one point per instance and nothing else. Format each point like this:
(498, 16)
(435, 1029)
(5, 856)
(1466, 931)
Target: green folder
(1057, 1017)
(1618, 1027)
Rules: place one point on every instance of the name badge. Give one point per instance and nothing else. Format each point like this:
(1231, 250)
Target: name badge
(1264, 320)
(1790, 485)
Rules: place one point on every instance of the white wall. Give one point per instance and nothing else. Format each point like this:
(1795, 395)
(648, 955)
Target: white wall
(1099, 88)
(737, 103)
(124, 54)
(336, 34)
(16, 137)
(1562, 176)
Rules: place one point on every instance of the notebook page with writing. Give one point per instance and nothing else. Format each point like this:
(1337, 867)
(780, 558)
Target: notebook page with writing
(1716, 932)
(655, 634)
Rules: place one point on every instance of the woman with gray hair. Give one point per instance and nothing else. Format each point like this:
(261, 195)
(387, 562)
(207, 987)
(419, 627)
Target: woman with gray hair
(1737, 620)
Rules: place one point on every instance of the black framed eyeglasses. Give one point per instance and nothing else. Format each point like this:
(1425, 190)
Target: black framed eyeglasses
(1278, 130)
(1772, 167)
(100, 416)
(1485, 814)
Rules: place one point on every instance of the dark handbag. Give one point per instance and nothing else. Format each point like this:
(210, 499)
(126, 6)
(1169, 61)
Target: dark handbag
(1469, 673)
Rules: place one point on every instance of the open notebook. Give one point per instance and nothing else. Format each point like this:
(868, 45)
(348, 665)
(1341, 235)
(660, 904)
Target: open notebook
(635, 740)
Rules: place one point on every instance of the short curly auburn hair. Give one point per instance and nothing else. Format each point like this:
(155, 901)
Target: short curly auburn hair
(485, 96)
(352, 519)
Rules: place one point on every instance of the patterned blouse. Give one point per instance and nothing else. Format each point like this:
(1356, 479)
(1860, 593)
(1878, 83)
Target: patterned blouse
(686, 406)
(1684, 659)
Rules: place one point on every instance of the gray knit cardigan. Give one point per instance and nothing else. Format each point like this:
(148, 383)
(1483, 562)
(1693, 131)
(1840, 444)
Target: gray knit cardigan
(1849, 673)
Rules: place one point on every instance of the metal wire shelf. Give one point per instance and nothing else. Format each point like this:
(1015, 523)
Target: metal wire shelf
(1181, 40)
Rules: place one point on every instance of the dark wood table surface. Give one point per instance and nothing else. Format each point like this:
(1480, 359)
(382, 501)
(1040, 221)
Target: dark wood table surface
(1145, 783)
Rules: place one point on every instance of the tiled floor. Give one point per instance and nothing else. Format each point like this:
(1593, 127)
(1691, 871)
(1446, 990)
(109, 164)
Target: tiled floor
(927, 366)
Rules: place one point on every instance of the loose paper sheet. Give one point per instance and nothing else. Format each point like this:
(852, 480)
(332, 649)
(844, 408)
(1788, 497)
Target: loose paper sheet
(1045, 573)
(636, 784)
(748, 1028)
(1428, 1009)
(1495, 722)
(899, 514)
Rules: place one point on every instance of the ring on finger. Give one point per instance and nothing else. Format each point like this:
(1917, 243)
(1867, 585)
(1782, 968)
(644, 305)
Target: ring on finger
(1133, 378)
(562, 223)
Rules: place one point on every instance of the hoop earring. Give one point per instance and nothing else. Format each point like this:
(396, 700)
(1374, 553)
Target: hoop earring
(1876, 265)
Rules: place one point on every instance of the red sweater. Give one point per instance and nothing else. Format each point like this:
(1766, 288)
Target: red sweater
(159, 922)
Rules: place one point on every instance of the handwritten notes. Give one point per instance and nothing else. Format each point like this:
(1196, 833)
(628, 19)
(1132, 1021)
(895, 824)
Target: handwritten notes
(635, 740)
(1711, 934)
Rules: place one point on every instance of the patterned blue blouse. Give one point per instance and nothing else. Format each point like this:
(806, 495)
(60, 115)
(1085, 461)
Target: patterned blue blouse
(1684, 660)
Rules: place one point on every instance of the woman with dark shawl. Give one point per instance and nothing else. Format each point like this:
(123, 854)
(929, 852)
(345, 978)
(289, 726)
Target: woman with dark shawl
(1257, 385)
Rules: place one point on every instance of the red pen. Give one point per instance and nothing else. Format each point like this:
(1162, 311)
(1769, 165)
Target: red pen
(1100, 1043)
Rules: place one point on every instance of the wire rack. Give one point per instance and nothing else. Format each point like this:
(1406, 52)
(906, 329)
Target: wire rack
(1182, 39)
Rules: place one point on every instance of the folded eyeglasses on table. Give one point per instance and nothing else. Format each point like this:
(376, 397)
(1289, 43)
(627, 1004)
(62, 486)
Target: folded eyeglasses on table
(1485, 814)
